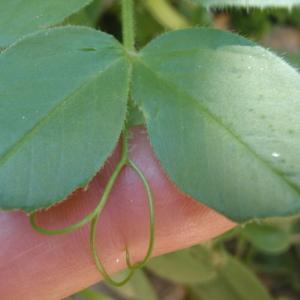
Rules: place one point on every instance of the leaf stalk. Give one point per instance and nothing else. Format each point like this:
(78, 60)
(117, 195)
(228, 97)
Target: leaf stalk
(128, 25)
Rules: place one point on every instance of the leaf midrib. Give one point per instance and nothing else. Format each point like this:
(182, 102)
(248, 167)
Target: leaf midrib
(45, 118)
(175, 89)
(194, 50)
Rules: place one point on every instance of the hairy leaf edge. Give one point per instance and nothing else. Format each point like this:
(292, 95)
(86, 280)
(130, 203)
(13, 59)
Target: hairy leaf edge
(49, 27)
(84, 185)
(138, 60)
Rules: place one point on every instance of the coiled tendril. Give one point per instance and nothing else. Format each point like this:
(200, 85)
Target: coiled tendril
(94, 217)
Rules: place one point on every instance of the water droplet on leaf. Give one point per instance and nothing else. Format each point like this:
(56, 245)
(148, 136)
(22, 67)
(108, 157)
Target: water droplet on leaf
(276, 154)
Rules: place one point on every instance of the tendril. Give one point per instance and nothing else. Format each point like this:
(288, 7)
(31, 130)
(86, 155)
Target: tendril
(97, 260)
(141, 264)
(103, 201)
(90, 216)
(67, 229)
(94, 217)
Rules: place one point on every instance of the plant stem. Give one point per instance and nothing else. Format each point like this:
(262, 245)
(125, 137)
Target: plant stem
(240, 247)
(166, 15)
(128, 24)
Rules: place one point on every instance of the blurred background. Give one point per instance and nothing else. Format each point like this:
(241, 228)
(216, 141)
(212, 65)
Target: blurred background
(256, 261)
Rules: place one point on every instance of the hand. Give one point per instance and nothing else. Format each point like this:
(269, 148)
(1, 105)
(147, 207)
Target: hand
(34, 266)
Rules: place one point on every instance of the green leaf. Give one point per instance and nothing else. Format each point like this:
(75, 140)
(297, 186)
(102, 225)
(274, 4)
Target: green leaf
(139, 287)
(223, 118)
(188, 266)
(90, 294)
(212, 274)
(234, 282)
(268, 237)
(88, 16)
(293, 59)
(63, 99)
(18, 18)
(249, 3)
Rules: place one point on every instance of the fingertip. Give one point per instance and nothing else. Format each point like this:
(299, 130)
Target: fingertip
(52, 267)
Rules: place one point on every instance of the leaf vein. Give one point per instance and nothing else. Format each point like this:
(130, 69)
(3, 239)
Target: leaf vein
(175, 89)
(44, 119)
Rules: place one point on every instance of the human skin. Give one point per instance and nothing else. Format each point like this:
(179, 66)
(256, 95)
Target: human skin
(34, 266)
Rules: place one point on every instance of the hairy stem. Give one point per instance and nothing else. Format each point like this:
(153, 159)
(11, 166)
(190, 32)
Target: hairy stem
(128, 24)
